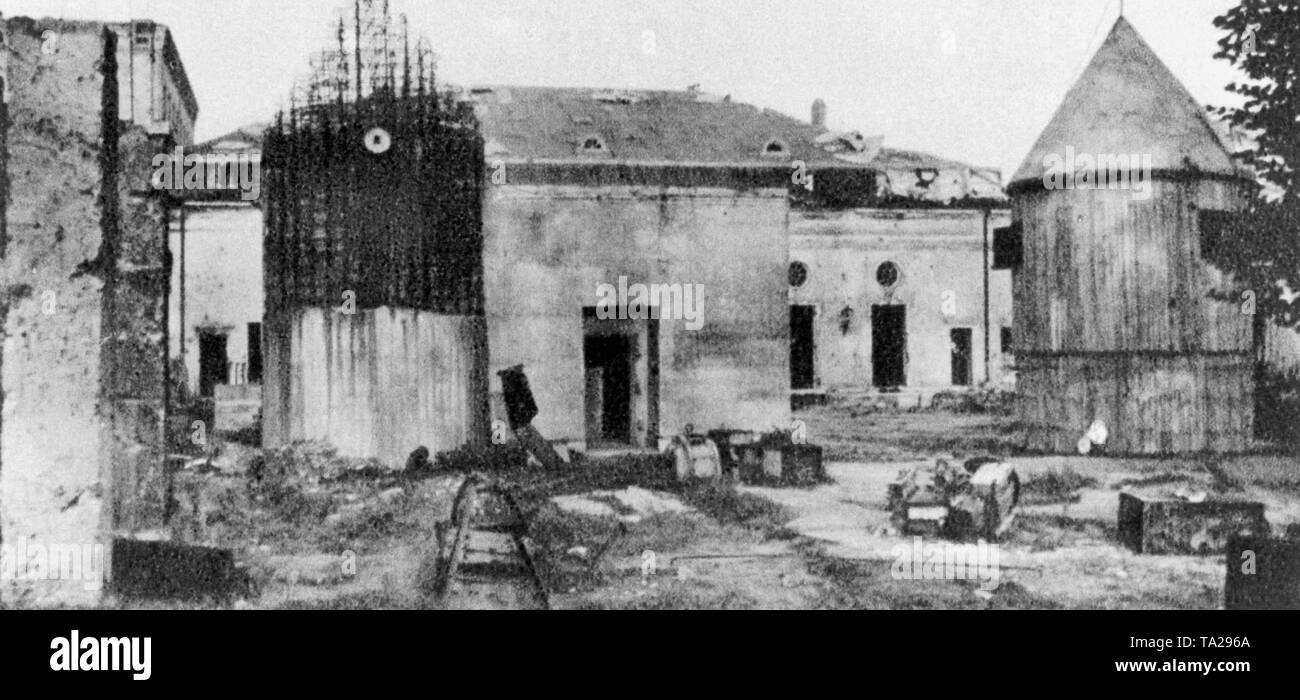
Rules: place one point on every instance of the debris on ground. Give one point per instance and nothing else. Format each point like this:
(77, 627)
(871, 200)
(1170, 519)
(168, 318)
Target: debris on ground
(978, 498)
(418, 463)
(631, 505)
(282, 510)
(314, 530)
(521, 409)
(774, 458)
(578, 551)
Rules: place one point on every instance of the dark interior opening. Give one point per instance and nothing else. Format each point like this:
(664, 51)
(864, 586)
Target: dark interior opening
(608, 363)
(802, 347)
(888, 345)
(213, 366)
(961, 356)
(254, 353)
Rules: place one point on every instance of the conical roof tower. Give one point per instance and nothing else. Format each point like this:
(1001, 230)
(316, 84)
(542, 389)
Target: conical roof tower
(1128, 101)
(1117, 320)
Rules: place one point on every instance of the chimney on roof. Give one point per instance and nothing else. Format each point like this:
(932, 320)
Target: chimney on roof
(819, 113)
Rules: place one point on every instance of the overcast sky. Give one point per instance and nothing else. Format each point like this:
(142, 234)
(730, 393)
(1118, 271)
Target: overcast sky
(973, 80)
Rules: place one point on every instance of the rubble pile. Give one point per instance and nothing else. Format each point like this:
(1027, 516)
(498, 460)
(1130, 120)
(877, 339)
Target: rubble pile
(296, 497)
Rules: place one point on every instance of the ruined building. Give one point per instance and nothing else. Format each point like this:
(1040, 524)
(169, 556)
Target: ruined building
(83, 312)
(896, 292)
(591, 191)
(868, 274)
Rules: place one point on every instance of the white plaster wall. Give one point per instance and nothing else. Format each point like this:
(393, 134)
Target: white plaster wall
(547, 248)
(937, 251)
(223, 279)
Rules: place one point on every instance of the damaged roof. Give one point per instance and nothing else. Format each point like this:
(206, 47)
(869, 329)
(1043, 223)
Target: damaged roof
(246, 138)
(1127, 101)
(574, 125)
(914, 174)
(647, 126)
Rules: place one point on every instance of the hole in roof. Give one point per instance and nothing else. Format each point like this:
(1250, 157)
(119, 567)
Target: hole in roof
(775, 147)
(592, 143)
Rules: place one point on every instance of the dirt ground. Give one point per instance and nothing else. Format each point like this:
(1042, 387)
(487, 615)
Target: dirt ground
(1062, 550)
(330, 534)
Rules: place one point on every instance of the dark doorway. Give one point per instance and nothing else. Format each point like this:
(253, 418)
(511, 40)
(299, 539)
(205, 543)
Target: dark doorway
(254, 353)
(888, 345)
(802, 347)
(608, 362)
(213, 366)
(652, 381)
(961, 340)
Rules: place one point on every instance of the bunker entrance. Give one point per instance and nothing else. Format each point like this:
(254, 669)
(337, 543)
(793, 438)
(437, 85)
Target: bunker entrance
(621, 390)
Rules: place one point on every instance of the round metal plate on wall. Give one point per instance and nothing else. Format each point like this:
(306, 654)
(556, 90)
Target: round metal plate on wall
(378, 140)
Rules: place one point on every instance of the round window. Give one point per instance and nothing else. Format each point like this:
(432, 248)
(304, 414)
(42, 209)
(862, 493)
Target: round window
(887, 274)
(798, 274)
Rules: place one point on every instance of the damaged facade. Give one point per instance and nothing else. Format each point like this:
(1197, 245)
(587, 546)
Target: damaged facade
(83, 311)
(896, 292)
(592, 189)
(690, 197)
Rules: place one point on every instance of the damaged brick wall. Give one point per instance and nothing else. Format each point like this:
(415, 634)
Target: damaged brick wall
(82, 314)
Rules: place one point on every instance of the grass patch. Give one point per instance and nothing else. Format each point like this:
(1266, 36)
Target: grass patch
(1165, 477)
(366, 600)
(1054, 486)
(1042, 532)
(871, 585)
(676, 596)
(731, 507)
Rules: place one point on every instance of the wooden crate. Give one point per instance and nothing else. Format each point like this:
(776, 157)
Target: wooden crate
(799, 465)
(1158, 524)
(174, 571)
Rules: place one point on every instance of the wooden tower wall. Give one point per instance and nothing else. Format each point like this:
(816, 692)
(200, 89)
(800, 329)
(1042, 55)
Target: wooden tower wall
(1114, 321)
